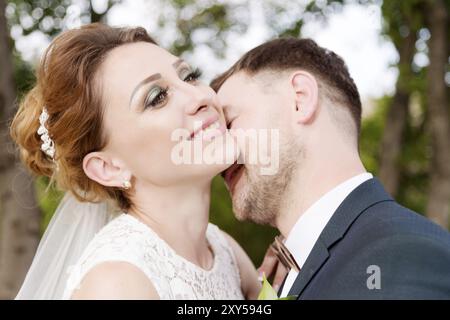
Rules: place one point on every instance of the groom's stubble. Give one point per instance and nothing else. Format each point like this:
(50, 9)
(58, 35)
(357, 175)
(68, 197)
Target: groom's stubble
(263, 195)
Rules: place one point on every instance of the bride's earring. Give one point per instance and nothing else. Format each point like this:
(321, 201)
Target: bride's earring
(126, 184)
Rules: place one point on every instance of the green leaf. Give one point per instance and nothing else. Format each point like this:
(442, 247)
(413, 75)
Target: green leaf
(267, 292)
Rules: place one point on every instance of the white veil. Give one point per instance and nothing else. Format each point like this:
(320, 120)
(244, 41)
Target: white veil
(71, 228)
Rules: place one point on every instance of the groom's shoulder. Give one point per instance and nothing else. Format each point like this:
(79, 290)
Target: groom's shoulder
(393, 227)
(391, 218)
(371, 212)
(411, 254)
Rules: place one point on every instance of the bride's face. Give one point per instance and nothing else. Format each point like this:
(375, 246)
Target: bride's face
(153, 100)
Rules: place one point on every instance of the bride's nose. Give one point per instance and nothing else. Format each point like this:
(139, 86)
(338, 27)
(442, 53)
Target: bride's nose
(197, 99)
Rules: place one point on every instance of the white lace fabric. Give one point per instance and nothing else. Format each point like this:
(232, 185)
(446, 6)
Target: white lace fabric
(128, 240)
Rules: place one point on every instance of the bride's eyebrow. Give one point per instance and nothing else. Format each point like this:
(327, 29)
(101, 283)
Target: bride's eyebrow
(177, 63)
(151, 78)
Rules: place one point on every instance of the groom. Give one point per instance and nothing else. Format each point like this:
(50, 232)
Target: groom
(348, 239)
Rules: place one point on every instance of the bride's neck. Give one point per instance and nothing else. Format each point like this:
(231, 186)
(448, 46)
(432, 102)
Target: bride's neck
(179, 215)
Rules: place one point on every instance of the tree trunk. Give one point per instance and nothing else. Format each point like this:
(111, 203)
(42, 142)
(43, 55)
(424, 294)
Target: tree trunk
(391, 144)
(19, 213)
(439, 122)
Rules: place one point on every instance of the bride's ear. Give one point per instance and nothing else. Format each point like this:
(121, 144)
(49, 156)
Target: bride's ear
(306, 92)
(103, 169)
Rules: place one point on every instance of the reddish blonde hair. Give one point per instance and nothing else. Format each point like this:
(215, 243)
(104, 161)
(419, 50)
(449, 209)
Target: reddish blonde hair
(66, 86)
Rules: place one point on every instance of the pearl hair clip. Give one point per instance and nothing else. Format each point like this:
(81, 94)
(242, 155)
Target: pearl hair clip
(47, 146)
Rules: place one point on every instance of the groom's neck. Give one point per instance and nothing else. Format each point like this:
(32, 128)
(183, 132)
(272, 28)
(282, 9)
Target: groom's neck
(312, 180)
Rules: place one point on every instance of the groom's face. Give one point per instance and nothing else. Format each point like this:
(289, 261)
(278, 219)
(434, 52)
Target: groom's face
(254, 105)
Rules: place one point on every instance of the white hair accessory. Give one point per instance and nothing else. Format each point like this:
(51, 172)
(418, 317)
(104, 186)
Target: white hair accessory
(126, 184)
(48, 146)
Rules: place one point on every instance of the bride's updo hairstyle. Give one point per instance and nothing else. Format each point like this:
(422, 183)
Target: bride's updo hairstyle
(68, 88)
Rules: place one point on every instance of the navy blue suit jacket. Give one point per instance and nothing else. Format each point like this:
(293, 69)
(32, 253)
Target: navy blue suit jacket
(373, 248)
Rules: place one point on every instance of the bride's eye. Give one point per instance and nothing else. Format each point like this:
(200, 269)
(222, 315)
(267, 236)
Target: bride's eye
(191, 76)
(156, 97)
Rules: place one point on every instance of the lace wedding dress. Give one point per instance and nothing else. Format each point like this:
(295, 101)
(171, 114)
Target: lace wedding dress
(127, 239)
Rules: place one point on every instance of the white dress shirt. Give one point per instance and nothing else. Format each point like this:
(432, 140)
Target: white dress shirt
(309, 226)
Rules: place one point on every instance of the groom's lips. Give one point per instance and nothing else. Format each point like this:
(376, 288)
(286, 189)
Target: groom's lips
(232, 176)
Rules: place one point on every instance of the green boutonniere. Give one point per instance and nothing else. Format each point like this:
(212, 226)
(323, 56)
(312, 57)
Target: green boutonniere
(268, 293)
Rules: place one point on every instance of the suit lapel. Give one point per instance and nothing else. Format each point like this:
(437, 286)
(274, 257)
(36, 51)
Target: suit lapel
(315, 260)
(365, 195)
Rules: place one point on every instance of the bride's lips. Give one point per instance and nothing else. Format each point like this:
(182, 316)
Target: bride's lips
(214, 120)
(232, 176)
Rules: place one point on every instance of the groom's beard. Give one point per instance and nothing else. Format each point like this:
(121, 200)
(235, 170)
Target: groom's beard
(263, 195)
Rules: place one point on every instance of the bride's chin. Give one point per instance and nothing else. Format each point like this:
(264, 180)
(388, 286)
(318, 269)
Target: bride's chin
(203, 173)
(207, 166)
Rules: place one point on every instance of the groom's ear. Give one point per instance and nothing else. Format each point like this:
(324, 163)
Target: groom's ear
(105, 170)
(306, 92)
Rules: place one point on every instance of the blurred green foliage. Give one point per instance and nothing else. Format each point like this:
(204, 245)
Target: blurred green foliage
(48, 198)
(414, 159)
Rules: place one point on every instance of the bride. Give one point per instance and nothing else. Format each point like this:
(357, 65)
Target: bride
(99, 123)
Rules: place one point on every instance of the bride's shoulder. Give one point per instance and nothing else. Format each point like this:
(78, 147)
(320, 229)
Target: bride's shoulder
(115, 280)
(121, 239)
(121, 232)
(113, 265)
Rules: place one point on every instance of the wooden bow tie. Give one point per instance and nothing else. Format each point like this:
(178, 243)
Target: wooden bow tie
(283, 254)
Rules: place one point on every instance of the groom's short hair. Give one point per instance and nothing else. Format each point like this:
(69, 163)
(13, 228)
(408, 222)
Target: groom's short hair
(291, 53)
